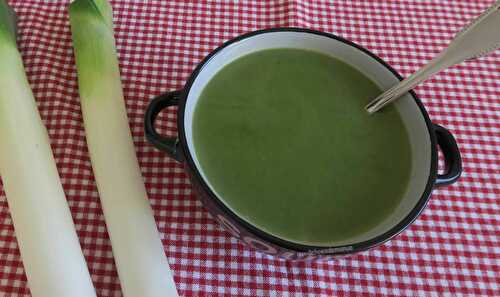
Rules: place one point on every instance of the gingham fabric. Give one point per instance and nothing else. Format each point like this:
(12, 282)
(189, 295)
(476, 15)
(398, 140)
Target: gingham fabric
(451, 250)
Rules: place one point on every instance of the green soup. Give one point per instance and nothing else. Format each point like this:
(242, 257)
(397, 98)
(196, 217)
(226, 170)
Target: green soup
(283, 138)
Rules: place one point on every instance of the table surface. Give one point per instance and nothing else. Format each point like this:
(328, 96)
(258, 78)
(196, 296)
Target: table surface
(451, 250)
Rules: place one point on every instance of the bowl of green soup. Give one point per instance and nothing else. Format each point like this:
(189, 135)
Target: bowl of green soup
(274, 135)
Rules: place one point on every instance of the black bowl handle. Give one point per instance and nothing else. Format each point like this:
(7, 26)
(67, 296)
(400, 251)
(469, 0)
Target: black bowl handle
(452, 159)
(170, 145)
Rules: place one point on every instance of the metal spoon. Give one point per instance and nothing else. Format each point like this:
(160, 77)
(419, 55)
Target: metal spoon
(477, 39)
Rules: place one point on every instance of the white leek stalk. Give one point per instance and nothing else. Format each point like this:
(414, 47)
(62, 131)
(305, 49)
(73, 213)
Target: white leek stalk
(45, 232)
(138, 251)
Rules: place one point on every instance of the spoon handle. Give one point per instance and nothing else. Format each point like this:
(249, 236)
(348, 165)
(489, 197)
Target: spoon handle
(477, 39)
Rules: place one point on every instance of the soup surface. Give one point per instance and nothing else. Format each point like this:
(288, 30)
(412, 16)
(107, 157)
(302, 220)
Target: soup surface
(283, 139)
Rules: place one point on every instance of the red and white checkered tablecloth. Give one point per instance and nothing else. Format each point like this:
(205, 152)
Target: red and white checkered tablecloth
(453, 249)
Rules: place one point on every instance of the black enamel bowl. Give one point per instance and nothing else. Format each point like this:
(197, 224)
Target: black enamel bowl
(425, 137)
